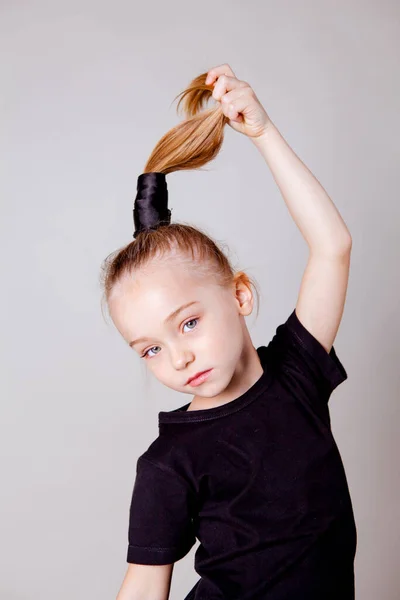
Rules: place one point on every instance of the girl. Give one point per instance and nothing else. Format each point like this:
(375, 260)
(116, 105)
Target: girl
(249, 467)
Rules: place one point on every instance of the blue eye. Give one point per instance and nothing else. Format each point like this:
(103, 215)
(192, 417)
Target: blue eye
(191, 321)
(146, 355)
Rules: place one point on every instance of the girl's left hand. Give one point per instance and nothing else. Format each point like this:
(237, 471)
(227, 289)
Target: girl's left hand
(238, 102)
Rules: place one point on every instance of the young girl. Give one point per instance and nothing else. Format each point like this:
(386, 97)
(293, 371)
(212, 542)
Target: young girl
(249, 466)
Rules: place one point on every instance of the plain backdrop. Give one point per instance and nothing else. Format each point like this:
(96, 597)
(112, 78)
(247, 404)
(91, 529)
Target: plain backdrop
(87, 90)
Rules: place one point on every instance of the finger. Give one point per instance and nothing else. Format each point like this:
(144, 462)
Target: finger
(236, 106)
(236, 93)
(231, 102)
(215, 72)
(225, 84)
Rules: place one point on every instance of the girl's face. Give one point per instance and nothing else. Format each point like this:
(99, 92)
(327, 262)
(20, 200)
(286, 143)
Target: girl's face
(209, 333)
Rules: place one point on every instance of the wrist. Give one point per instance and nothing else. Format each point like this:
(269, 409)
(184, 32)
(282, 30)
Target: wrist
(263, 137)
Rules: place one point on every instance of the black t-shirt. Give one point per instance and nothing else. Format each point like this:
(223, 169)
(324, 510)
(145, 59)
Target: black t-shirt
(259, 481)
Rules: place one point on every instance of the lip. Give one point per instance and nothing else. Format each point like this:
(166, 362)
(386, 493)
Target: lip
(199, 377)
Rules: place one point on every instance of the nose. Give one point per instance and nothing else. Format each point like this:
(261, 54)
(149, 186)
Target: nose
(181, 357)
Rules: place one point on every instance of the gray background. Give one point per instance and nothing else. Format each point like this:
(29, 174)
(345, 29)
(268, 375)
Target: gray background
(87, 90)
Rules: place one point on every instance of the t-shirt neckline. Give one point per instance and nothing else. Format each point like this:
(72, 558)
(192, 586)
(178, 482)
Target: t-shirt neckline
(181, 415)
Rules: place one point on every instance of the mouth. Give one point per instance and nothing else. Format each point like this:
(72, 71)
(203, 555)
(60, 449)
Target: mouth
(198, 378)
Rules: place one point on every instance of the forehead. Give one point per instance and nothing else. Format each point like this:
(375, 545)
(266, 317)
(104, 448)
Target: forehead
(164, 283)
(146, 298)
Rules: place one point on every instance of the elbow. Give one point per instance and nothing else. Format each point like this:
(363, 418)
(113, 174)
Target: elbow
(345, 246)
(349, 243)
(338, 248)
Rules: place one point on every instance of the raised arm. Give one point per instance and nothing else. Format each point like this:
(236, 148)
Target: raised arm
(324, 285)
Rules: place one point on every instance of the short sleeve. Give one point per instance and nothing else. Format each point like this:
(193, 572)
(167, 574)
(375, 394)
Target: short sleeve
(303, 363)
(160, 521)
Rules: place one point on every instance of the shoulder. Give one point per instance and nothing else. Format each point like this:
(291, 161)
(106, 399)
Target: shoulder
(167, 458)
(301, 364)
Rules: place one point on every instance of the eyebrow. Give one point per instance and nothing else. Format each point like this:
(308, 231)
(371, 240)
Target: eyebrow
(170, 318)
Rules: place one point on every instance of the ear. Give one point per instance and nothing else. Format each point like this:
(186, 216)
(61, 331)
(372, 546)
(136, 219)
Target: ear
(243, 293)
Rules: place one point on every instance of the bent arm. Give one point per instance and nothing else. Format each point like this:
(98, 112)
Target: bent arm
(146, 582)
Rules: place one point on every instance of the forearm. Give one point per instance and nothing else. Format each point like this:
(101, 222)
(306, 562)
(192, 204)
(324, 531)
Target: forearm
(313, 211)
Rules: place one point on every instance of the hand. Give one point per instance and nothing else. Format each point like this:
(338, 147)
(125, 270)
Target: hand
(238, 102)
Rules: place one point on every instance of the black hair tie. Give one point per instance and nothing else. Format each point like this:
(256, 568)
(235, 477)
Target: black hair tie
(151, 203)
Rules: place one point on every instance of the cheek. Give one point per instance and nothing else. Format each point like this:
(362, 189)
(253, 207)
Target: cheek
(160, 367)
(159, 371)
(221, 331)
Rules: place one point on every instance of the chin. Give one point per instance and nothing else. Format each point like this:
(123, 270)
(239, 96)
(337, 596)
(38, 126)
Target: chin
(211, 391)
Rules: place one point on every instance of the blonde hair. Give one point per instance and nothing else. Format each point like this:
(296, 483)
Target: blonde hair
(190, 145)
